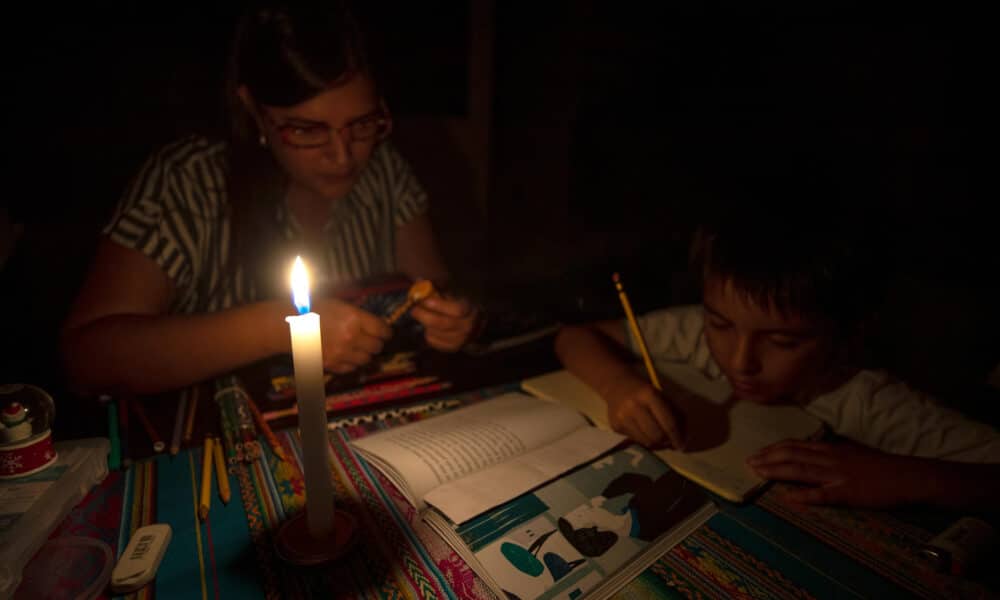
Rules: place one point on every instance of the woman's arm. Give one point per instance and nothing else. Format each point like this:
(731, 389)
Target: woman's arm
(416, 251)
(118, 336)
(449, 321)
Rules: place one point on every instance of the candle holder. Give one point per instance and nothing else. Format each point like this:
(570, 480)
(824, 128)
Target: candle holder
(295, 545)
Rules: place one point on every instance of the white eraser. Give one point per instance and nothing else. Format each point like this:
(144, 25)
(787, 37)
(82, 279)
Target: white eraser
(141, 558)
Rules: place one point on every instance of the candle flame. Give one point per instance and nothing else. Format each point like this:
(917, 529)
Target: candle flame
(300, 286)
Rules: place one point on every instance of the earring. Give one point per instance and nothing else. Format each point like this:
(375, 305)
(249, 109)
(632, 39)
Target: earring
(262, 140)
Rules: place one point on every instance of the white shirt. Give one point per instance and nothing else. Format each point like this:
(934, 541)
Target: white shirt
(871, 408)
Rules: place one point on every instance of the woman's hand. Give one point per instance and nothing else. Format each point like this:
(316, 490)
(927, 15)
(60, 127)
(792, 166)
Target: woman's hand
(638, 410)
(448, 322)
(351, 336)
(840, 473)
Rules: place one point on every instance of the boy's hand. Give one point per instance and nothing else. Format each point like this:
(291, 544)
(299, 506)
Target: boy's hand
(448, 322)
(638, 410)
(843, 473)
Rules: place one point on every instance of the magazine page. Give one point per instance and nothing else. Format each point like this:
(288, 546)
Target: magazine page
(571, 536)
(426, 454)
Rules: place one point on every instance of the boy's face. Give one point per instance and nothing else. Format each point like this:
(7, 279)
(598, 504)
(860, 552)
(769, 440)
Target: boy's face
(767, 357)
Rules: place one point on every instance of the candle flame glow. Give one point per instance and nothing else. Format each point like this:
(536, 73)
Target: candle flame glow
(300, 286)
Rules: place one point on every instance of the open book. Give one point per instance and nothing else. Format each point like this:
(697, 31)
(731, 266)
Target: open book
(722, 434)
(539, 503)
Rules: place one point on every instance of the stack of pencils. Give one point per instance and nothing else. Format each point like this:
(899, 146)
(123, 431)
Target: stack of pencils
(242, 424)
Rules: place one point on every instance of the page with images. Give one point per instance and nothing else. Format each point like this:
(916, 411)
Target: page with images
(584, 534)
(426, 454)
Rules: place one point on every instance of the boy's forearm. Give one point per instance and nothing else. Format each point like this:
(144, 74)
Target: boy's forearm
(591, 356)
(154, 353)
(955, 485)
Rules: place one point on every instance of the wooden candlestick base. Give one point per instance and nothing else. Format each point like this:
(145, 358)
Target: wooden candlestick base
(296, 546)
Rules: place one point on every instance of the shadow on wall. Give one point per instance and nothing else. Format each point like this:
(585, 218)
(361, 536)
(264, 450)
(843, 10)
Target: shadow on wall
(449, 178)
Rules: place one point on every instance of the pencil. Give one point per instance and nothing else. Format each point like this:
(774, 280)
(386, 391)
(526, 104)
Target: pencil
(115, 456)
(266, 430)
(123, 431)
(205, 502)
(417, 293)
(221, 475)
(636, 332)
(175, 440)
(140, 414)
(365, 396)
(227, 432)
(192, 409)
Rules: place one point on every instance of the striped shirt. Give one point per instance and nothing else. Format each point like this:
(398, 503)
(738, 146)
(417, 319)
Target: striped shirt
(174, 212)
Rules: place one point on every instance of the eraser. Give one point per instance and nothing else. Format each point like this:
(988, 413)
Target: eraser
(138, 563)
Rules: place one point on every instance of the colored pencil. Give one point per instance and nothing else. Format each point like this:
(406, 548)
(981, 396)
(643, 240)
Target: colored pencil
(140, 414)
(115, 456)
(227, 433)
(123, 431)
(221, 475)
(365, 396)
(192, 410)
(265, 429)
(417, 293)
(636, 332)
(175, 440)
(205, 498)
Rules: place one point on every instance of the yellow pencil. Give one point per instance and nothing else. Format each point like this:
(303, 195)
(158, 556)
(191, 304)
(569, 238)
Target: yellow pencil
(636, 332)
(221, 475)
(206, 480)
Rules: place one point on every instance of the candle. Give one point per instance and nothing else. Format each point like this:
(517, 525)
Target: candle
(307, 359)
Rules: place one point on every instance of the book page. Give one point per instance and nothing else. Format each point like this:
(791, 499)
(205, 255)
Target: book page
(470, 496)
(721, 433)
(429, 453)
(583, 533)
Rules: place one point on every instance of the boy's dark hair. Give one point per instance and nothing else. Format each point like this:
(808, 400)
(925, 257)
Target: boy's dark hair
(806, 255)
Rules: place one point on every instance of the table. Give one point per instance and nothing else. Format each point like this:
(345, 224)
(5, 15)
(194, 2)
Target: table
(767, 549)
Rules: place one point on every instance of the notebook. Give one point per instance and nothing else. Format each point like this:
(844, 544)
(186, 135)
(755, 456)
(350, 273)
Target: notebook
(721, 433)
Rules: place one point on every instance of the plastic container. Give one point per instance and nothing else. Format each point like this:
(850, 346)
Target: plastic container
(31, 507)
(70, 567)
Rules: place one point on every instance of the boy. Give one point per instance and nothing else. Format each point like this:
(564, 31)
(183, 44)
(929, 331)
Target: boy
(785, 304)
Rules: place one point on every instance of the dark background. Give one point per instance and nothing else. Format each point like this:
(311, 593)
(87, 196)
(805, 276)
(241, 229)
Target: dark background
(610, 124)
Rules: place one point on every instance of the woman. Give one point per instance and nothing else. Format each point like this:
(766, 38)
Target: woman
(191, 277)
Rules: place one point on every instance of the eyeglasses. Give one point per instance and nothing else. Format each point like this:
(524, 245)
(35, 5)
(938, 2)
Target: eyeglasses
(314, 134)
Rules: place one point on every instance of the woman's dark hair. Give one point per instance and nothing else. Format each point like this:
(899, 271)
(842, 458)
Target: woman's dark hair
(284, 53)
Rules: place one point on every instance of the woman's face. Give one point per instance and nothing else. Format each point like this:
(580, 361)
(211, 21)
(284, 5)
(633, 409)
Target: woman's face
(328, 170)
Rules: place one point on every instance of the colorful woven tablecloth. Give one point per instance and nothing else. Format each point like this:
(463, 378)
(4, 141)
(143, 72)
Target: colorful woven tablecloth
(768, 549)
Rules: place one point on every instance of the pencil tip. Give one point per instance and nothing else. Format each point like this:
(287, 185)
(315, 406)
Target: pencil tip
(615, 277)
